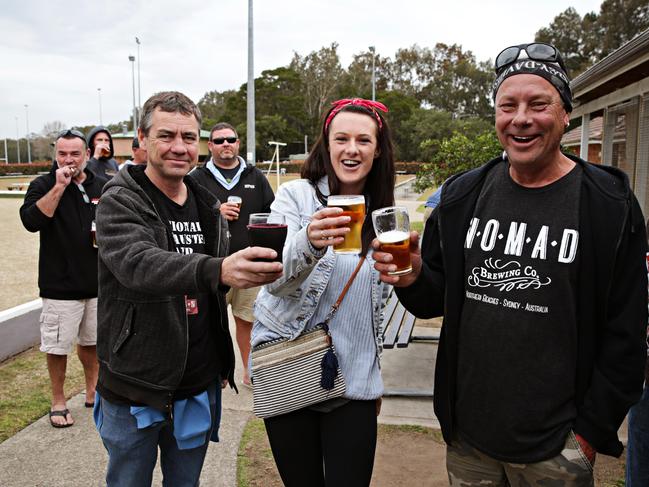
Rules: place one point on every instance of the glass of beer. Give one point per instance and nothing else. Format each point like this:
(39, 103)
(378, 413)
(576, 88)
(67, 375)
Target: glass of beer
(392, 227)
(353, 206)
(235, 200)
(268, 230)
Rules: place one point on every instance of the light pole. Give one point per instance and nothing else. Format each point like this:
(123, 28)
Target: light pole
(101, 120)
(17, 141)
(139, 86)
(373, 50)
(250, 142)
(6, 153)
(132, 59)
(29, 151)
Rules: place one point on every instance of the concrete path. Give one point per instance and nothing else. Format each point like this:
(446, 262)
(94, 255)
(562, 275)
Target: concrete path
(44, 456)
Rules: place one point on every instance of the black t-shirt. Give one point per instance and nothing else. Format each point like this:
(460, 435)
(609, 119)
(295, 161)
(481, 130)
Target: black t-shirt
(229, 173)
(202, 367)
(518, 333)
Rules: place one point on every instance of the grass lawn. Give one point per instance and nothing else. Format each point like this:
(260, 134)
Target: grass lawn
(25, 389)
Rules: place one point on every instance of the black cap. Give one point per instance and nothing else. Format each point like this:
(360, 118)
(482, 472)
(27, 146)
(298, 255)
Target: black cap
(549, 71)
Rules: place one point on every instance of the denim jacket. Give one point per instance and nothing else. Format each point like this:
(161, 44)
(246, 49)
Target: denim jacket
(284, 307)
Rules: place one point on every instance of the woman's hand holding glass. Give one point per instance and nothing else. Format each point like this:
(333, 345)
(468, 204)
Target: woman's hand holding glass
(327, 227)
(383, 263)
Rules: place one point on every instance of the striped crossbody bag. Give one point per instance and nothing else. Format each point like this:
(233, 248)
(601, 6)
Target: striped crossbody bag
(292, 374)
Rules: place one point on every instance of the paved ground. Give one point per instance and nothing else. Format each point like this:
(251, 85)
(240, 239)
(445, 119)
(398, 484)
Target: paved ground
(43, 456)
(40, 455)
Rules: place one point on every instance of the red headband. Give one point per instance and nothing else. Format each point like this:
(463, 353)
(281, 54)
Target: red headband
(368, 104)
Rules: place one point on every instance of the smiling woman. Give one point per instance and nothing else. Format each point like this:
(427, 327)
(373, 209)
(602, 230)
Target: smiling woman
(352, 156)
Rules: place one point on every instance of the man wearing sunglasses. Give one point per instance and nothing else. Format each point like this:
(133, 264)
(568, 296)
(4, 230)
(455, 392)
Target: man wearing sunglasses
(61, 207)
(536, 262)
(227, 175)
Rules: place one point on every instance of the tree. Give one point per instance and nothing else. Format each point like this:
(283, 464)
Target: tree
(320, 73)
(214, 107)
(51, 129)
(459, 84)
(620, 21)
(411, 70)
(564, 34)
(401, 108)
(456, 154)
(584, 41)
(357, 80)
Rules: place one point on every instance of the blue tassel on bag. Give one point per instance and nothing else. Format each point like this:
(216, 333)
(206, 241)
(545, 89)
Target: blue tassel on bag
(329, 370)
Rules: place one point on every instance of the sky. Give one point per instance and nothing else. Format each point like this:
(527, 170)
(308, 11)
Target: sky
(55, 56)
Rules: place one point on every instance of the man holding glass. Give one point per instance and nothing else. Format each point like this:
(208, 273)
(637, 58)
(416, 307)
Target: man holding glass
(242, 190)
(163, 342)
(536, 262)
(61, 207)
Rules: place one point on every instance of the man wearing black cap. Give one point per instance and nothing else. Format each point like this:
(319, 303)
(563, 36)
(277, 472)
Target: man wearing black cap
(536, 262)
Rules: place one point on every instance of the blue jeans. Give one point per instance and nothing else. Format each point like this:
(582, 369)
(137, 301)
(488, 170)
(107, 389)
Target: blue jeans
(637, 453)
(132, 452)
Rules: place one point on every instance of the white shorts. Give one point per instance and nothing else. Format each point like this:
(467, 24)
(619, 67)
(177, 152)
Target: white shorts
(242, 301)
(63, 322)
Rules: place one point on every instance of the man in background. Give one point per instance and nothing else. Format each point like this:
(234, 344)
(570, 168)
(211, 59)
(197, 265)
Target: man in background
(102, 151)
(61, 207)
(139, 155)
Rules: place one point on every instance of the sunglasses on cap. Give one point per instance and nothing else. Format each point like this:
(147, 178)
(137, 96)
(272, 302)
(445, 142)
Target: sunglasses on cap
(221, 140)
(537, 51)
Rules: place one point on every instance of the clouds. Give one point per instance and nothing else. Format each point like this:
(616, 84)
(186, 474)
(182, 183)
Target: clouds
(54, 55)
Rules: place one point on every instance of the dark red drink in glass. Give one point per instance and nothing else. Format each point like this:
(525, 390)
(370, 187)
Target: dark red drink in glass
(268, 230)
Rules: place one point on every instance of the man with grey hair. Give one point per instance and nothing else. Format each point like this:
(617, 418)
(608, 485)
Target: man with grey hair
(61, 207)
(163, 342)
(536, 260)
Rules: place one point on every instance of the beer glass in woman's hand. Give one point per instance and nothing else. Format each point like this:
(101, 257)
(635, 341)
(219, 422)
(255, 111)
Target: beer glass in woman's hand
(353, 206)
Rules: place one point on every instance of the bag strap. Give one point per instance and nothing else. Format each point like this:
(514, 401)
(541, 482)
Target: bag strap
(336, 305)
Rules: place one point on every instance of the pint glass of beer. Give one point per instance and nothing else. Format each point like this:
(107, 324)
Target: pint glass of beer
(354, 207)
(268, 230)
(235, 200)
(392, 227)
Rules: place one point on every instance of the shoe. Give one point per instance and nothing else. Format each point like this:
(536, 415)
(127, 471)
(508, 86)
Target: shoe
(64, 413)
(89, 404)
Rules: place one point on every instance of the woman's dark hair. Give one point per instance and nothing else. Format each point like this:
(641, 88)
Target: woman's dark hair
(379, 185)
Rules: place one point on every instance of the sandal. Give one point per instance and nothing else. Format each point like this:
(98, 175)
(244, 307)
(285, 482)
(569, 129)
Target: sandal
(64, 413)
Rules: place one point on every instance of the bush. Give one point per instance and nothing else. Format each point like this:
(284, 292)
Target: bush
(457, 154)
(25, 169)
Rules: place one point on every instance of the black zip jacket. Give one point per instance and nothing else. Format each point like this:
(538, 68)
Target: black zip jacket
(67, 261)
(255, 191)
(611, 295)
(142, 330)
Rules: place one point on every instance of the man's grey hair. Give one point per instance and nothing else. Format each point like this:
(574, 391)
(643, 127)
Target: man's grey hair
(170, 102)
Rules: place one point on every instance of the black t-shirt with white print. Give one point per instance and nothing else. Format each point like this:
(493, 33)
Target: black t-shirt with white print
(518, 334)
(202, 367)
